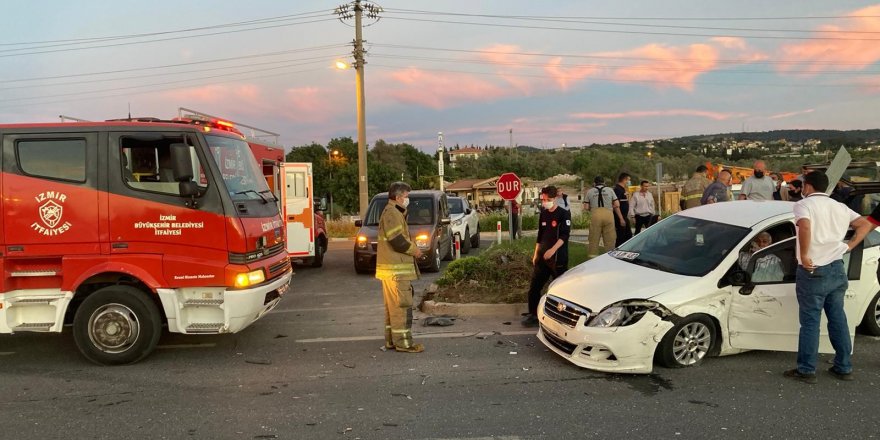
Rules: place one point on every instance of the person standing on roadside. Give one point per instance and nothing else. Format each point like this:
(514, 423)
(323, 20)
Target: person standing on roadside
(777, 186)
(396, 255)
(514, 219)
(550, 258)
(821, 280)
(719, 190)
(794, 191)
(603, 206)
(758, 186)
(623, 230)
(693, 189)
(642, 207)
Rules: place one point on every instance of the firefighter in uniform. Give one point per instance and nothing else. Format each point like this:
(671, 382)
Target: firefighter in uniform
(693, 189)
(604, 207)
(396, 266)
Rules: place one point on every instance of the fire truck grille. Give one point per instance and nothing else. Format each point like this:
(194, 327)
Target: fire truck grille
(250, 257)
(281, 266)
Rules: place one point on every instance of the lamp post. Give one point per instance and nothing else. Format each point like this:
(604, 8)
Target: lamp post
(372, 10)
(330, 155)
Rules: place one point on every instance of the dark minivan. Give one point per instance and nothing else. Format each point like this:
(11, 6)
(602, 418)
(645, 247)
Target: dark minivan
(428, 219)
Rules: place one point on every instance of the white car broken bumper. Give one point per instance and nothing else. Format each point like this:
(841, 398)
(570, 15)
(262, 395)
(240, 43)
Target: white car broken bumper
(628, 349)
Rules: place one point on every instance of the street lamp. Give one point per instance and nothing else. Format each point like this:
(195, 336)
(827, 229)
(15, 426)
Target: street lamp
(357, 9)
(330, 155)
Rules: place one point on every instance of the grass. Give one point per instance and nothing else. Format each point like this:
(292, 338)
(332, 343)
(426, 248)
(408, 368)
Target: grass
(489, 222)
(340, 229)
(499, 275)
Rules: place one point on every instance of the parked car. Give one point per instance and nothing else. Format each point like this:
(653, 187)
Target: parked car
(676, 293)
(428, 220)
(465, 223)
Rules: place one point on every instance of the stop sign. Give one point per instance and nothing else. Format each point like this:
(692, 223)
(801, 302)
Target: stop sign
(508, 186)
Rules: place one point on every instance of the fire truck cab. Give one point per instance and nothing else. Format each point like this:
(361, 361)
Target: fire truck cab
(121, 227)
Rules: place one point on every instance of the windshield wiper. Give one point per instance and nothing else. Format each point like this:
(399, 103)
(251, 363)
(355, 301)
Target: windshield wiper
(651, 264)
(270, 192)
(265, 200)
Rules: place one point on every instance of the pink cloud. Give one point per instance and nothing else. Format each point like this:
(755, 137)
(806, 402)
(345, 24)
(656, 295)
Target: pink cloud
(790, 114)
(309, 104)
(250, 94)
(718, 116)
(849, 51)
(441, 90)
(669, 66)
(565, 76)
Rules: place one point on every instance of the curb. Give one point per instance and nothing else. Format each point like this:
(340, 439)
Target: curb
(457, 310)
(336, 239)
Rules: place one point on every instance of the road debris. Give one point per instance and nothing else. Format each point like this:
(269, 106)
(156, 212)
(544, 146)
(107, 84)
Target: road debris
(258, 361)
(439, 321)
(348, 365)
(402, 395)
(425, 377)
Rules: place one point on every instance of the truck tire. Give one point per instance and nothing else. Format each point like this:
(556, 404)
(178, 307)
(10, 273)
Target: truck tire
(320, 249)
(449, 254)
(475, 240)
(466, 242)
(117, 325)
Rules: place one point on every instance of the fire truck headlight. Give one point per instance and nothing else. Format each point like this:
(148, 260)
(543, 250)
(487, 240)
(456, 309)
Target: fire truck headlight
(250, 278)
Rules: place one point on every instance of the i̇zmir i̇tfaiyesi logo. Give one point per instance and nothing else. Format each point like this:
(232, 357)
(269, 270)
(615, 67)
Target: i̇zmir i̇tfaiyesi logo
(51, 214)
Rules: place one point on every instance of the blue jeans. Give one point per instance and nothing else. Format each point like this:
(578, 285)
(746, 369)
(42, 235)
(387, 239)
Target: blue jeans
(822, 290)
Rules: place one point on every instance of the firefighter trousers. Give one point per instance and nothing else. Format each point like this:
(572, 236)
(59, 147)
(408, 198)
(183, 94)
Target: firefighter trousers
(398, 295)
(601, 225)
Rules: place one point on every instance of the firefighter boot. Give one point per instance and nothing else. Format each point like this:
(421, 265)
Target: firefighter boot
(416, 348)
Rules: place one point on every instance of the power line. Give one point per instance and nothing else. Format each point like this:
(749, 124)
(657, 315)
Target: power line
(216, 60)
(806, 17)
(617, 23)
(615, 57)
(92, 81)
(158, 84)
(94, 97)
(607, 66)
(70, 49)
(150, 34)
(614, 31)
(620, 80)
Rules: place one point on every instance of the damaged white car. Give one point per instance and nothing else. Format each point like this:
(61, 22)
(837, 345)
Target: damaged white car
(696, 285)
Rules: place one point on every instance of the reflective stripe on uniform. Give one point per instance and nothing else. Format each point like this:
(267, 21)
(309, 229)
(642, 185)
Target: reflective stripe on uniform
(404, 331)
(692, 196)
(393, 269)
(393, 231)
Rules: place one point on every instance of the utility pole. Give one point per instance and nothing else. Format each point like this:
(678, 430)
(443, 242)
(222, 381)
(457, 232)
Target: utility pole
(511, 138)
(440, 155)
(345, 12)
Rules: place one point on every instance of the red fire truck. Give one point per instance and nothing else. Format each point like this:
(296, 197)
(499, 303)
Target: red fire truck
(119, 227)
(291, 183)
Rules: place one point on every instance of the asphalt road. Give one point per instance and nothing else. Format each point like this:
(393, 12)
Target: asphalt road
(313, 369)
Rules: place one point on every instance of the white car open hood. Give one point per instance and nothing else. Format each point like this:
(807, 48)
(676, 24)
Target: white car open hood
(605, 280)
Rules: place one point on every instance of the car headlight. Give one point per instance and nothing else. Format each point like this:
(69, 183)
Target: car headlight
(423, 241)
(251, 278)
(627, 313)
(609, 317)
(457, 222)
(362, 242)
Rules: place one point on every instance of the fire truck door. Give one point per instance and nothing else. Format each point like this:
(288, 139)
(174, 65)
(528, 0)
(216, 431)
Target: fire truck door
(299, 215)
(51, 204)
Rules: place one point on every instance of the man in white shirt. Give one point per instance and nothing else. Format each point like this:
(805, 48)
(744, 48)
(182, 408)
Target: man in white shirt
(641, 206)
(758, 186)
(821, 280)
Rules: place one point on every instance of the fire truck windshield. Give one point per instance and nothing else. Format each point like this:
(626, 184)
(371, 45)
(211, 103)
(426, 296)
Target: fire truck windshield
(243, 179)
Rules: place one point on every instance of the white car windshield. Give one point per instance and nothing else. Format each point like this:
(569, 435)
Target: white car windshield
(682, 245)
(456, 206)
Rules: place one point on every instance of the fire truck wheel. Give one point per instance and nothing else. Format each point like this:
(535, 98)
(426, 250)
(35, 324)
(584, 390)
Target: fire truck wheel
(117, 325)
(318, 259)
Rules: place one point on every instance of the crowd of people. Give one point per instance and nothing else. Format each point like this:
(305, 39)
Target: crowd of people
(611, 210)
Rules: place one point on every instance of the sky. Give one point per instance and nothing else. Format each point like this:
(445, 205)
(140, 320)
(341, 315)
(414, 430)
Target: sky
(557, 73)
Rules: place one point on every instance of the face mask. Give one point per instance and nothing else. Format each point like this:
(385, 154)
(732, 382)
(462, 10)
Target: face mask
(405, 202)
(548, 204)
(759, 174)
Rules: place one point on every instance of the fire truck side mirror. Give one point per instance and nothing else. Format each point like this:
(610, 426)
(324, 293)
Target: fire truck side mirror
(181, 164)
